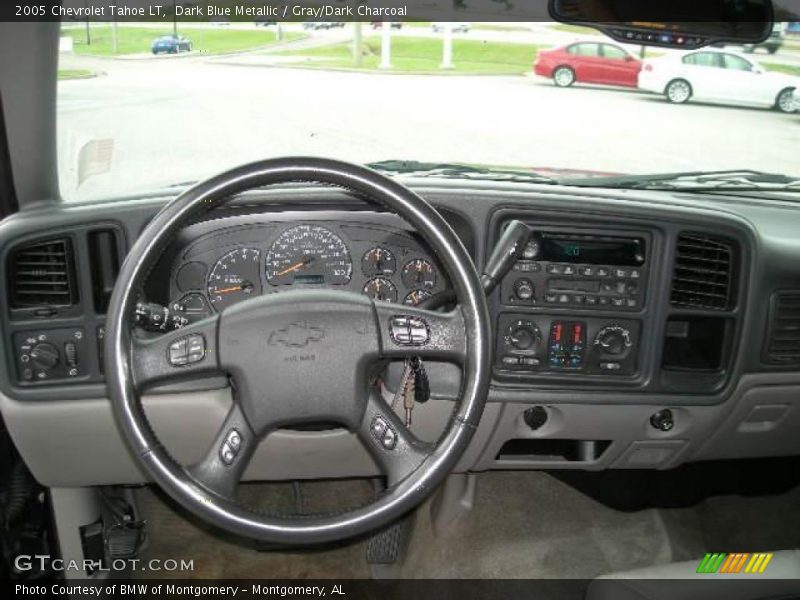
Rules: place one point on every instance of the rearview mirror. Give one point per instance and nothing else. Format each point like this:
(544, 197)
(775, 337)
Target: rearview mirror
(672, 23)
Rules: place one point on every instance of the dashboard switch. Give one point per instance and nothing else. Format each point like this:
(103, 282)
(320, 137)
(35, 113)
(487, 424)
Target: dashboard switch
(663, 420)
(71, 354)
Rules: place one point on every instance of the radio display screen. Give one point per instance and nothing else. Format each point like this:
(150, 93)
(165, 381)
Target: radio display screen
(625, 252)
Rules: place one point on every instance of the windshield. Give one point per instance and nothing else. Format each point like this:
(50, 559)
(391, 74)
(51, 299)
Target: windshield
(147, 106)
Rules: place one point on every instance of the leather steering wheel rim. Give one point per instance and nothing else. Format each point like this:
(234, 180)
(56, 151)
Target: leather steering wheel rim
(216, 508)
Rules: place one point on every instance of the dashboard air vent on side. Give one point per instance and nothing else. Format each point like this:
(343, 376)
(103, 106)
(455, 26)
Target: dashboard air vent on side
(43, 274)
(703, 276)
(783, 344)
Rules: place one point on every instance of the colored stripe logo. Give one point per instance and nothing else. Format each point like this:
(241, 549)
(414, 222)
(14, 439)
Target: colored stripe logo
(734, 563)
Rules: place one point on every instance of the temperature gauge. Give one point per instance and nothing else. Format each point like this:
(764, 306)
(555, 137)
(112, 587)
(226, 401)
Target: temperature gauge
(381, 288)
(419, 273)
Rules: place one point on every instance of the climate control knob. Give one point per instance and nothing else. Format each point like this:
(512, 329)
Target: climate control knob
(44, 356)
(523, 289)
(523, 335)
(613, 340)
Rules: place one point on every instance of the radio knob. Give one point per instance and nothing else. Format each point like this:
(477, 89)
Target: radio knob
(524, 335)
(613, 340)
(44, 356)
(523, 289)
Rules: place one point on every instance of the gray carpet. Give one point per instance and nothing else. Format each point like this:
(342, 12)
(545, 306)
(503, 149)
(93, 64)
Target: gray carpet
(523, 525)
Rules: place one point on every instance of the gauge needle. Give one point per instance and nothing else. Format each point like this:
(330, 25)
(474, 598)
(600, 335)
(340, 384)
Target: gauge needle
(227, 290)
(296, 267)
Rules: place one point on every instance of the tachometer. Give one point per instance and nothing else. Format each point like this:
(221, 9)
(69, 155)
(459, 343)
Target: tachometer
(235, 277)
(309, 254)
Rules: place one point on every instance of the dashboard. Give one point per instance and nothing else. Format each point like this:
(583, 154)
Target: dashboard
(638, 330)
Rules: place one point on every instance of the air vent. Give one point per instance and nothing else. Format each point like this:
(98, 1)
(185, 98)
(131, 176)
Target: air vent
(42, 275)
(703, 276)
(783, 345)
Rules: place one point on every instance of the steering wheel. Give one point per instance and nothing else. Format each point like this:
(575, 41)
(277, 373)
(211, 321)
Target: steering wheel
(298, 357)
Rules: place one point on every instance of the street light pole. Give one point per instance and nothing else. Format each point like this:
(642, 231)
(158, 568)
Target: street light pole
(357, 59)
(386, 45)
(447, 46)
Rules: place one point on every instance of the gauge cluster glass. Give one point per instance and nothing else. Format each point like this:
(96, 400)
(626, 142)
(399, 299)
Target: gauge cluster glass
(308, 254)
(393, 265)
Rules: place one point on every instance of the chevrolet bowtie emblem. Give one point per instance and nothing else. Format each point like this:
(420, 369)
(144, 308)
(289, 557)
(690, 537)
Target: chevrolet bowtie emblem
(296, 335)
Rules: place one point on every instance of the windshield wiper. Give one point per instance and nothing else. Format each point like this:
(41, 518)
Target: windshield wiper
(696, 181)
(458, 171)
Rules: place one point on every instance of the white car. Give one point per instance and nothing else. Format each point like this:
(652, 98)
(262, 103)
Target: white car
(718, 76)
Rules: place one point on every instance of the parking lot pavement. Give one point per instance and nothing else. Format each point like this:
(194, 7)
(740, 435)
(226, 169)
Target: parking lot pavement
(174, 121)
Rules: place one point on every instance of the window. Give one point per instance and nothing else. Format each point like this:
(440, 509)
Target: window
(585, 49)
(731, 61)
(614, 52)
(701, 59)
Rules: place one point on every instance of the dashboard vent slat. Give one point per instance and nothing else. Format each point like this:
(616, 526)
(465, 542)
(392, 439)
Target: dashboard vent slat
(42, 275)
(703, 273)
(783, 343)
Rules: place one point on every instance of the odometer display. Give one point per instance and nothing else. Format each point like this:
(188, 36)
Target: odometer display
(308, 253)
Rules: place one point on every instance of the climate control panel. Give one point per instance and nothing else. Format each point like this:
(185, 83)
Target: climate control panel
(549, 343)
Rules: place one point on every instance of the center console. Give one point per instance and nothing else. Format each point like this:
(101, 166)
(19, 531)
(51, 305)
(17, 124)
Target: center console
(570, 302)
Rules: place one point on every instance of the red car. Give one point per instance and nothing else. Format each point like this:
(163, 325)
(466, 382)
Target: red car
(589, 62)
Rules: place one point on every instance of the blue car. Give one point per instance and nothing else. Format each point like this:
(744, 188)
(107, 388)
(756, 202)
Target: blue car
(170, 44)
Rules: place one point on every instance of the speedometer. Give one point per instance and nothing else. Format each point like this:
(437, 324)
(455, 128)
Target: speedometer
(308, 254)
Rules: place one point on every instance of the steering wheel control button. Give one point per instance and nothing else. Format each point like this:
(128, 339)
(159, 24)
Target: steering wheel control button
(389, 439)
(234, 440)
(408, 331)
(230, 447)
(188, 350)
(383, 433)
(378, 427)
(226, 454)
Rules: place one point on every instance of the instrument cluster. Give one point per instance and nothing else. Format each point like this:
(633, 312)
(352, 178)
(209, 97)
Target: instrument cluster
(385, 264)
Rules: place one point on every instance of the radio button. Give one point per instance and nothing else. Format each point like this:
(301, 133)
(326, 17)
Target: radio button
(635, 274)
(591, 300)
(630, 302)
(602, 301)
(586, 271)
(550, 298)
(578, 299)
(555, 269)
(620, 273)
(602, 271)
(530, 361)
(563, 299)
(510, 360)
(569, 270)
(616, 301)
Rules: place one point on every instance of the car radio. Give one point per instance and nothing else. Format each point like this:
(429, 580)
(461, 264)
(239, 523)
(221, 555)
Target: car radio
(567, 269)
